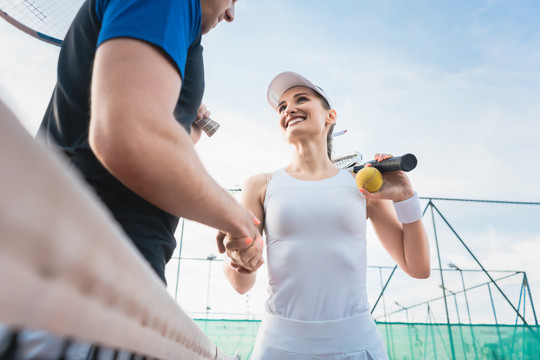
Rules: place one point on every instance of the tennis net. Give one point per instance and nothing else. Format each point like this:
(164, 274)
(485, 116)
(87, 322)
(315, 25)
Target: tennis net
(66, 267)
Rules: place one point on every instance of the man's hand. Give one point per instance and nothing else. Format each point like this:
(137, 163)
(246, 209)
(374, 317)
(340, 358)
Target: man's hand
(249, 260)
(244, 250)
(196, 131)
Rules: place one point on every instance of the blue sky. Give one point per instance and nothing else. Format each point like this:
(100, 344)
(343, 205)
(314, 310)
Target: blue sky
(455, 82)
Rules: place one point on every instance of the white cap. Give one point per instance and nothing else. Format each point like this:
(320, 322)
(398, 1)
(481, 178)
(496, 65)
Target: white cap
(286, 80)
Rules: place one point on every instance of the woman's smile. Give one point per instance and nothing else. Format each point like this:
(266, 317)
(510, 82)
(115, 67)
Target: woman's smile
(294, 121)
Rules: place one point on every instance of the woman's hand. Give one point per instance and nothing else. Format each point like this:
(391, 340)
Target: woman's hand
(245, 252)
(248, 260)
(396, 185)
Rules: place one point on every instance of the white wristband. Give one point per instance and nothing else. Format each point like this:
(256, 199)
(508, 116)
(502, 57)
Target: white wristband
(408, 211)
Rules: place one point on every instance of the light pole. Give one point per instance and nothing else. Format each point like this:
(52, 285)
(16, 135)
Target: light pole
(210, 258)
(408, 327)
(454, 266)
(459, 320)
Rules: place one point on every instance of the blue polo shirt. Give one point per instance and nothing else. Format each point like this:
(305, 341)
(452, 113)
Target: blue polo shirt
(173, 25)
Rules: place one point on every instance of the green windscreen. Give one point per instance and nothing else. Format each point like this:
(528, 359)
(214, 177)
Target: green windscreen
(406, 341)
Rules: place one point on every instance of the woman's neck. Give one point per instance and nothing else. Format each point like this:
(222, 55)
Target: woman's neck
(310, 161)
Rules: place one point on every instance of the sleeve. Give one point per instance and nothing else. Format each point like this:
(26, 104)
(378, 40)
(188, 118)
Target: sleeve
(172, 25)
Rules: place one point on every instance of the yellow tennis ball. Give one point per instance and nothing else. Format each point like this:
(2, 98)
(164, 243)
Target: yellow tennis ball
(369, 178)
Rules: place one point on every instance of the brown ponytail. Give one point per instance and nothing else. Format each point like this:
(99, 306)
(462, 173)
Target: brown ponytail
(329, 146)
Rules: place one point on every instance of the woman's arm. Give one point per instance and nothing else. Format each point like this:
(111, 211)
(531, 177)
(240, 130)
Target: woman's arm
(252, 199)
(406, 243)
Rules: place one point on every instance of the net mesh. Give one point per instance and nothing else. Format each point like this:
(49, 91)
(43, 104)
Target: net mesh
(405, 341)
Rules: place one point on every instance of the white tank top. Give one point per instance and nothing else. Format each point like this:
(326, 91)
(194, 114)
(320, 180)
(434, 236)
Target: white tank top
(316, 247)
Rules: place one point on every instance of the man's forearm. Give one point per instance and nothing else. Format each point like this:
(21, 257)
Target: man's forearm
(163, 168)
(134, 134)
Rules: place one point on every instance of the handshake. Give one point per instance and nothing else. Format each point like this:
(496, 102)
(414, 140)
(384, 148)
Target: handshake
(244, 252)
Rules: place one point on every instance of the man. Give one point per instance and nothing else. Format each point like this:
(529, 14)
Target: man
(130, 84)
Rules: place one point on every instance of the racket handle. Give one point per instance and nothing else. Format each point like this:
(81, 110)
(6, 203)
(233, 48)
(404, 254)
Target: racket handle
(207, 125)
(405, 162)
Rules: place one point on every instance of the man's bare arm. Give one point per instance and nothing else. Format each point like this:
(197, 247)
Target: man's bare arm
(133, 132)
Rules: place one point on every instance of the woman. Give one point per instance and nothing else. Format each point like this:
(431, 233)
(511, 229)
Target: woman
(314, 217)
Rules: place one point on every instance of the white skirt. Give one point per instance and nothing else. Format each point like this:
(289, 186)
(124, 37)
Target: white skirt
(355, 338)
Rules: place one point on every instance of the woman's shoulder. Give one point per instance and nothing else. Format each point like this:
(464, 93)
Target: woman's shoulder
(258, 181)
(255, 186)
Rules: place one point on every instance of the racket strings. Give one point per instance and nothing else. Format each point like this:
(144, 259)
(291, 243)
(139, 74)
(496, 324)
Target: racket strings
(348, 160)
(32, 7)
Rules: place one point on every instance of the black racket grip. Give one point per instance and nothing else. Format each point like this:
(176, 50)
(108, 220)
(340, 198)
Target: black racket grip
(405, 162)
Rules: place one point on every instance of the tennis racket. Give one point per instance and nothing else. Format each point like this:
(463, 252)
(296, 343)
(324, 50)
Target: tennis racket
(405, 162)
(46, 20)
